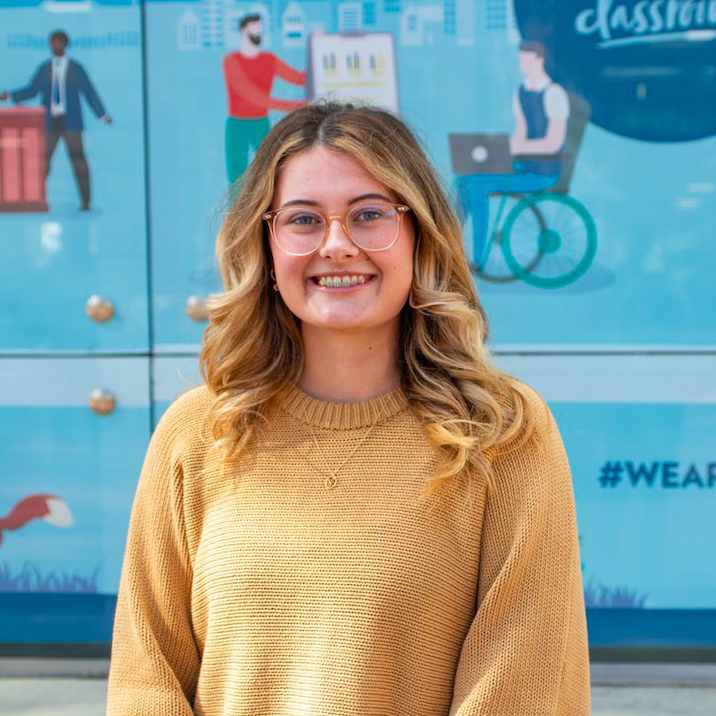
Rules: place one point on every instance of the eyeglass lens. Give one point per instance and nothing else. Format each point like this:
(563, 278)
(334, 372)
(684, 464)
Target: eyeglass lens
(370, 226)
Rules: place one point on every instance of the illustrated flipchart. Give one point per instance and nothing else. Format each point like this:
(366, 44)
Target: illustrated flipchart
(359, 67)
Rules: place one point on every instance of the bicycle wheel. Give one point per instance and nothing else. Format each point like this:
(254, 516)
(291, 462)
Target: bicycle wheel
(495, 268)
(567, 242)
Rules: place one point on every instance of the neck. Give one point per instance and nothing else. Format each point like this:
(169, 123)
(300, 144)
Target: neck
(343, 367)
(248, 49)
(535, 78)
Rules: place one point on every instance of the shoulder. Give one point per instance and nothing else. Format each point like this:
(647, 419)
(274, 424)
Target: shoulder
(532, 478)
(556, 89)
(187, 409)
(524, 396)
(556, 97)
(232, 58)
(546, 444)
(182, 427)
(533, 397)
(194, 398)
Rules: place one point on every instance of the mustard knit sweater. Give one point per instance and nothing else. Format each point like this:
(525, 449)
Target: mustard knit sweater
(257, 591)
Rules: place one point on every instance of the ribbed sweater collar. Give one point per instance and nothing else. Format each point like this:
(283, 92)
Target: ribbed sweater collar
(341, 416)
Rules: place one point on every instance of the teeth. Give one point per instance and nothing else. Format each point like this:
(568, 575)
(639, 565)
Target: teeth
(342, 280)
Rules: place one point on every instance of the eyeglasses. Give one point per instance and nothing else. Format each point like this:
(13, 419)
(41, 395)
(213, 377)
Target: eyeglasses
(371, 227)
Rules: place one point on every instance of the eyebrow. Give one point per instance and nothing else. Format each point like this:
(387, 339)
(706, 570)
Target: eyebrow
(361, 197)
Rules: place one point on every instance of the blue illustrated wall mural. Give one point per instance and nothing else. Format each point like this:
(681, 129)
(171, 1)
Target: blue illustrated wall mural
(576, 140)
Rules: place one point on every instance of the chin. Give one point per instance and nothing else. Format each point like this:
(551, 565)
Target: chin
(338, 321)
(340, 324)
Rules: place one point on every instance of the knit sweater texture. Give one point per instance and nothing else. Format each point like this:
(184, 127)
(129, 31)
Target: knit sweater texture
(251, 589)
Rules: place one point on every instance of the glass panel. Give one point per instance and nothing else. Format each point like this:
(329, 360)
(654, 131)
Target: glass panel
(74, 77)
(68, 480)
(186, 129)
(639, 436)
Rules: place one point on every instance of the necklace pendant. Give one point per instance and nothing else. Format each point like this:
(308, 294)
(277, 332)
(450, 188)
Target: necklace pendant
(330, 482)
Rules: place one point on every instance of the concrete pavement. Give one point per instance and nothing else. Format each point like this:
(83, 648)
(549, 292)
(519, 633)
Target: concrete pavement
(618, 689)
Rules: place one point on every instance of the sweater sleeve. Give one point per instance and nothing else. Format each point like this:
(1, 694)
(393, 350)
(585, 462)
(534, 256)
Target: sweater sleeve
(526, 651)
(155, 662)
(288, 73)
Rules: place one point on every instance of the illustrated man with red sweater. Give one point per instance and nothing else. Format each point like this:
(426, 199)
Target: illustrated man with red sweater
(249, 75)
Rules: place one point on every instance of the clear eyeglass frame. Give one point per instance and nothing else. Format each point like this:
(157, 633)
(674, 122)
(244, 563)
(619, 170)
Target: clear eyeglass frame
(270, 218)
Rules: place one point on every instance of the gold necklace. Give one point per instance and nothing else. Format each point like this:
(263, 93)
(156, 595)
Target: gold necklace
(330, 482)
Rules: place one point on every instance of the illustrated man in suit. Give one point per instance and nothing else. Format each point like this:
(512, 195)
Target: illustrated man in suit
(60, 81)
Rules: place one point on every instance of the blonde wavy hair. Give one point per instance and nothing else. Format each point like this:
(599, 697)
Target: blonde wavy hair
(252, 347)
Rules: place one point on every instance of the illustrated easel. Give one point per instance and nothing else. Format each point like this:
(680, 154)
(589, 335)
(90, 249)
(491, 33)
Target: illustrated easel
(353, 66)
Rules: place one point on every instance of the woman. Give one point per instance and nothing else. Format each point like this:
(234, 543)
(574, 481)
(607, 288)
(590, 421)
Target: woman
(358, 513)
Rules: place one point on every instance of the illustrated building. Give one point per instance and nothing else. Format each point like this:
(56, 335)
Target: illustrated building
(350, 16)
(212, 23)
(465, 21)
(293, 26)
(189, 31)
(413, 21)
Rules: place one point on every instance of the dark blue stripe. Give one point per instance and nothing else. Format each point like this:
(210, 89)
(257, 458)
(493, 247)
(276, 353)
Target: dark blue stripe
(652, 628)
(87, 618)
(49, 618)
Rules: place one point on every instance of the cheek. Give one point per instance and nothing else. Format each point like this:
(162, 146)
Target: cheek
(289, 271)
(405, 281)
(406, 263)
(398, 271)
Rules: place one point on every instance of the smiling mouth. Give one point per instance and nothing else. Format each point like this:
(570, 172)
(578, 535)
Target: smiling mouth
(344, 281)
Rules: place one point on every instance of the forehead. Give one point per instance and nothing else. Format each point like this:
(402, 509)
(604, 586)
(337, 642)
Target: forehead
(253, 25)
(322, 174)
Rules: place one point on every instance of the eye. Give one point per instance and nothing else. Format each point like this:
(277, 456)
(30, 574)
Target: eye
(304, 219)
(368, 214)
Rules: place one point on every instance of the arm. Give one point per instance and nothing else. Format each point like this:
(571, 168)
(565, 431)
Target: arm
(87, 88)
(557, 109)
(29, 90)
(288, 73)
(526, 650)
(239, 83)
(155, 661)
(551, 143)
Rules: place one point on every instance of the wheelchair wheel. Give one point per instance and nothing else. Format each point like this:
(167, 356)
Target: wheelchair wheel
(567, 243)
(495, 268)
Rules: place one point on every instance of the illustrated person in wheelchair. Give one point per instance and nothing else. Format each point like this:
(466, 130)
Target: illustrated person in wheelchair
(513, 189)
(541, 110)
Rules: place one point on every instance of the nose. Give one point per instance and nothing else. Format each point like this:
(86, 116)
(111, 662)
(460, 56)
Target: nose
(337, 245)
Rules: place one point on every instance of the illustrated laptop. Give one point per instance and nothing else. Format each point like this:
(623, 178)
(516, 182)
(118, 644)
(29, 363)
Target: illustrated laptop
(480, 153)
